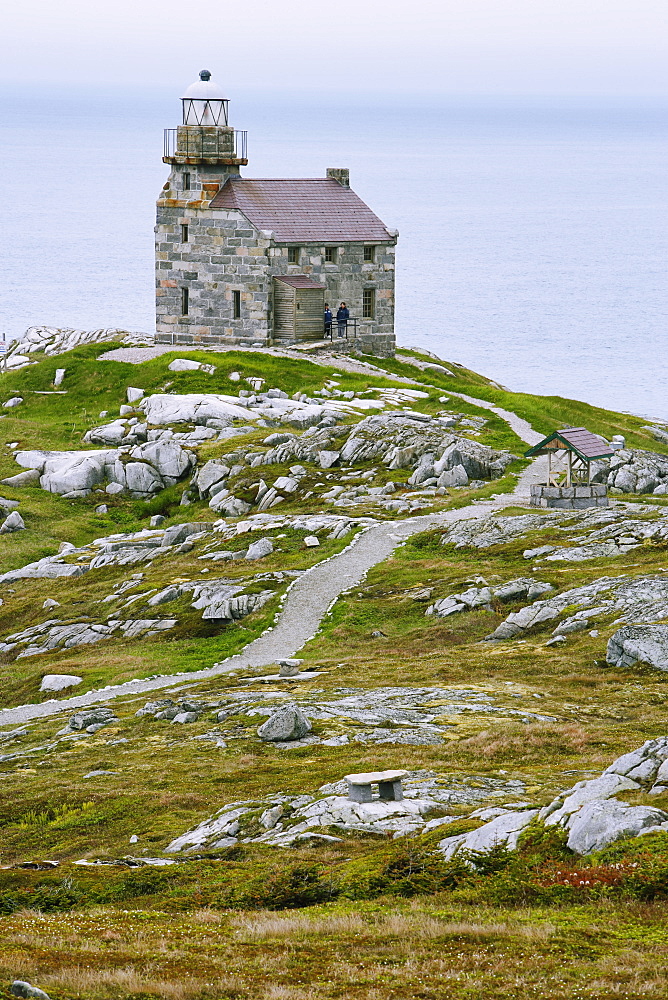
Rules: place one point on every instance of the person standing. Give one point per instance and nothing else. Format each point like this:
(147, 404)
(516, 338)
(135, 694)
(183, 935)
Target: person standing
(328, 320)
(342, 317)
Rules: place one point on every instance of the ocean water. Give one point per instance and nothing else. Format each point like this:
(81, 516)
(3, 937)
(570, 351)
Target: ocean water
(532, 235)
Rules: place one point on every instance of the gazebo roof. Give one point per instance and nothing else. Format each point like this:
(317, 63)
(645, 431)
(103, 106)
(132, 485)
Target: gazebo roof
(579, 440)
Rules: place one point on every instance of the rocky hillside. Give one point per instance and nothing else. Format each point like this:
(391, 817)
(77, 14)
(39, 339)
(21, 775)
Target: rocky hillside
(228, 581)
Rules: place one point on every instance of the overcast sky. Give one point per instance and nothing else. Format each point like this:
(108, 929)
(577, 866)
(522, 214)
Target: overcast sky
(363, 47)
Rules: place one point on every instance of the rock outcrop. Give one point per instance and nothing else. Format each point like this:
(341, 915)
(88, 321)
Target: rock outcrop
(590, 812)
(639, 644)
(638, 599)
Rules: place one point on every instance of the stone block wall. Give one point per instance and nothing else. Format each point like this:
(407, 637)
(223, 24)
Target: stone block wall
(569, 497)
(224, 253)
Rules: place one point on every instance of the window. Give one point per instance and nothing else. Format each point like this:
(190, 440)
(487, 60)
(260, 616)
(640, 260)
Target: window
(184, 301)
(184, 234)
(369, 303)
(369, 255)
(330, 255)
(236, 305)
(186, 182)
(293, 255)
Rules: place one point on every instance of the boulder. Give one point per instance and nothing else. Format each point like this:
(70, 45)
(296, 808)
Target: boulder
(110, 434)
(191, 408)
(28, 478)
(58, 682)
(286, 484)
(327, 459)
(13, 522)
(89, 718)
(600, 823)
(68, 471)
(179, 532)
(639, 644)
(142, 479)
(457, 476)
(259, 549)
(209, 475)
(185, 717)
(229, 506)
(59, 376)
(286, 724)
(20, 988)
(133, 395)
(14, 401)
(184, 365)
(505, 829)
(168, 457)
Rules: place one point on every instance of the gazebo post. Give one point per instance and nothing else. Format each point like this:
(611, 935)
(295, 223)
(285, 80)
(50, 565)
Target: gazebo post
(569, 467)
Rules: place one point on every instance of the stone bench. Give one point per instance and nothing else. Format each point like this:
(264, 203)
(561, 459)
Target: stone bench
(389, 786)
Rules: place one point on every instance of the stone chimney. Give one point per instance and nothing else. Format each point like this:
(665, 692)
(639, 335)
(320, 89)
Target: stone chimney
(340, 174)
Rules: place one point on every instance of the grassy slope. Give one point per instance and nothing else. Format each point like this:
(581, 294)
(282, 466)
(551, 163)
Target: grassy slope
(508, 932)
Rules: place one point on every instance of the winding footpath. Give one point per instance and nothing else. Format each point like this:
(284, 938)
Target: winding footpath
(312, 595)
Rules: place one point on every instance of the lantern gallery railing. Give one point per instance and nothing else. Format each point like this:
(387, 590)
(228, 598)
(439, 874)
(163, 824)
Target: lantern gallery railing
(192, 142)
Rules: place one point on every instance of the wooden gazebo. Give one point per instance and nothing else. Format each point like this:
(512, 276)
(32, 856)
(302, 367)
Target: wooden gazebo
(570, 453)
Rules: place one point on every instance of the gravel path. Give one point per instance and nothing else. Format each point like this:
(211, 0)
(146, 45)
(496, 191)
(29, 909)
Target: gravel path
(309, 598)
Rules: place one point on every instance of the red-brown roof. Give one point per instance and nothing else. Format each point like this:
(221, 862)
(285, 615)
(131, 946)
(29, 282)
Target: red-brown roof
(577, 439)
(299, 281)
(303, 211)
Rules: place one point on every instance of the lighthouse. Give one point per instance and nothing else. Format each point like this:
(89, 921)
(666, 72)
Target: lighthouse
(253, 262)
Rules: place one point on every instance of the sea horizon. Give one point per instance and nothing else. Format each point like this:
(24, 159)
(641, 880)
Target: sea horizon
(532, 231)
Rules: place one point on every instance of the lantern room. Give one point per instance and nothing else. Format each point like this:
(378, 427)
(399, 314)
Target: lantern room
(204, 103)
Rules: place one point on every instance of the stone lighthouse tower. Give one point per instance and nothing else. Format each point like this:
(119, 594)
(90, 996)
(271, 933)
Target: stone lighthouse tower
(253, 262)
(204, 152)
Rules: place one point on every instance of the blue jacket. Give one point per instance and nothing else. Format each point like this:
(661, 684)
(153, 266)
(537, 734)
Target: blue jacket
(342, 314)
(328, 317)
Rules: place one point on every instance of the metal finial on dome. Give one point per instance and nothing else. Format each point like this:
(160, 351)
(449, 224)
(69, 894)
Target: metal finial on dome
(204, 74)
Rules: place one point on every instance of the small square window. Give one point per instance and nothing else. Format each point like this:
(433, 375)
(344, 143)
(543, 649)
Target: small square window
(330, 255)
(369, 255)
(293, 255)
(184, 301)
(186, 182)
(236, 305)
(369, 303)
(184, 234)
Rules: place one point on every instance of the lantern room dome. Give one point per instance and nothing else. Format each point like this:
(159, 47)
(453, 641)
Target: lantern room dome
(204, 103)
(204, 89)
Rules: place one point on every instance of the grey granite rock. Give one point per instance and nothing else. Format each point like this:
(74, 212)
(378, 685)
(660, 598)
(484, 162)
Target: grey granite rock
(639, 643)
(13, 522)
(287, 724)
(21, 988)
